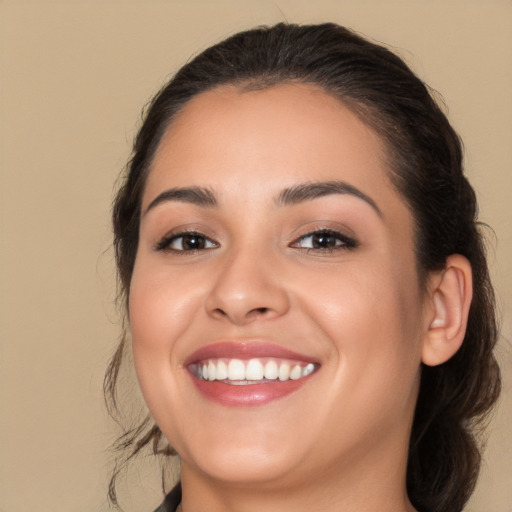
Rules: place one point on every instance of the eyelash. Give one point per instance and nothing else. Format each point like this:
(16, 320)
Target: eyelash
(341, 242)
(167, 241)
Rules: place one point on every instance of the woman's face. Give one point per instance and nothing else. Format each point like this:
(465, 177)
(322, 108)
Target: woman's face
(276, 315)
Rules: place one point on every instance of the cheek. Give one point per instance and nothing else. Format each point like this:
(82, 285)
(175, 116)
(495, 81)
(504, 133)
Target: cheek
(368, 316)
(373, 297)
(160, 306)
(372, 315)
(154, 316)
(147, 307)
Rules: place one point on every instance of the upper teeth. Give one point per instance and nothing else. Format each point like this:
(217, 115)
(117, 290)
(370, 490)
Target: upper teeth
(252, 369)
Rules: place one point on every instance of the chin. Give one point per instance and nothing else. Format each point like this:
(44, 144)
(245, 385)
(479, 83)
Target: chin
(242, 463)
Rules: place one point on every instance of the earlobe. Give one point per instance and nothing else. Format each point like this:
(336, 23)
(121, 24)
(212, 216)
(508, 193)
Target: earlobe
(450, 295)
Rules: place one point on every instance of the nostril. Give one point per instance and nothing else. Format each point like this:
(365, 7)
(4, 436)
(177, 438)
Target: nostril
(258, 311)
(249, 315)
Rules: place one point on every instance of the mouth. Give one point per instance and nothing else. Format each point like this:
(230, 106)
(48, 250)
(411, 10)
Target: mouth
(249, 373)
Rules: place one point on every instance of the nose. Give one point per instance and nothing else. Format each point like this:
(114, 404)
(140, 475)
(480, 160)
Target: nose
(247, 287)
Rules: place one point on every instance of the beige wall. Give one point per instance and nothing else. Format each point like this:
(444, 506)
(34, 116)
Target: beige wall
(74, 76)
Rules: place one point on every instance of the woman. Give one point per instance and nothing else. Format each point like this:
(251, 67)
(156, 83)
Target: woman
(311, 316)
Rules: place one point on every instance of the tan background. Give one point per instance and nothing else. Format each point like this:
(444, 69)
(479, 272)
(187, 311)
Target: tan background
(73, 78)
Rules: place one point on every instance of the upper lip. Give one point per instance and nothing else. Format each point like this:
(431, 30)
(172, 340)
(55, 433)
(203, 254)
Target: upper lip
(245, 350)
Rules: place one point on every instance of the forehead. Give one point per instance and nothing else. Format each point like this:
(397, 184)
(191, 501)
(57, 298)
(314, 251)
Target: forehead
(284, 113)
(269, 139)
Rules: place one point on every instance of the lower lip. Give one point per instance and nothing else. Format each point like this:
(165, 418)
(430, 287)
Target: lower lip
(249, 394)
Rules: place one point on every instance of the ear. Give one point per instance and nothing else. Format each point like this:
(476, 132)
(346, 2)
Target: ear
(450, 296)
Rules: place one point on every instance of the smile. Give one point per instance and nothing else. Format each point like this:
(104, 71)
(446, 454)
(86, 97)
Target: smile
(251, 371)
(242, 373)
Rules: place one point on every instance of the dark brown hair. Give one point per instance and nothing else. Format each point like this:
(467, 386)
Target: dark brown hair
(425, 156)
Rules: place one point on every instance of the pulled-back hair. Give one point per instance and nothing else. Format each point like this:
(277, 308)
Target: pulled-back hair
(426, 162)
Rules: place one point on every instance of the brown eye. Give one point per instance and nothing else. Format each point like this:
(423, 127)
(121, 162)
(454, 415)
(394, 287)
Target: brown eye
(186, 242)
(325, 240)
(192, 242)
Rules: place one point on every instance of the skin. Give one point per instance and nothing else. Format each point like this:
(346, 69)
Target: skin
(340, 441)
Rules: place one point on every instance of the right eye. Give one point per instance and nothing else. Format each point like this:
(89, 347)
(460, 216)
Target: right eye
(186, 242)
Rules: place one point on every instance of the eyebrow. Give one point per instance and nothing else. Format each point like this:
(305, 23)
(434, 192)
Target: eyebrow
(199, 196)
(308, 191)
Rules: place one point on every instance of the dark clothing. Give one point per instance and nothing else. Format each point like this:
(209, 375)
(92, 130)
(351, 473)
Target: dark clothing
(171, 501)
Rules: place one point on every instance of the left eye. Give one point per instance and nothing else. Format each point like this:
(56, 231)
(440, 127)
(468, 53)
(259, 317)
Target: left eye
(186, 242)
(325, 241)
